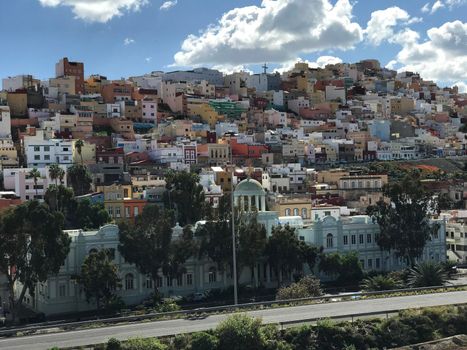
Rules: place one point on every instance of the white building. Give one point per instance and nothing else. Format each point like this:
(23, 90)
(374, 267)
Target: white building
(298, 103)
(5, 122)
(41, 152)
(18, 180)
(149, 108)
(19, 82)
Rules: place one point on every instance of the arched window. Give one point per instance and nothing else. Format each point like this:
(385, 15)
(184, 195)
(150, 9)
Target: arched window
(93, 251)
(287, 211)
(353, 184)
(295, 212)
(329, 241)
(212, 275)
(345, 184)
(129, 281)
(304, 215)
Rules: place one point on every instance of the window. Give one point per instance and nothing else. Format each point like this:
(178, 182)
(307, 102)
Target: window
(135, 211)
(189, 279)
(302, 238)
(368, 238)
(169, 281)
(117, 212)
(329, 241)
(158, 282)
(37, 148)
(129, 282)
(46, 157)
(346, 240)
(180, 280)
(37, 157)
(327, 213)
(62, 290)
(295, 212)
(354, 239)
(377, 263)
(110, 210)
(149, 283)
(127, 212)
(304, 215)
(212, 275)
(370, 263)
(287, 212)
(360, 239)
(46, 148)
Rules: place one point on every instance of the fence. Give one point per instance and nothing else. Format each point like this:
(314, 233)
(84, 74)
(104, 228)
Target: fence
(138, 318)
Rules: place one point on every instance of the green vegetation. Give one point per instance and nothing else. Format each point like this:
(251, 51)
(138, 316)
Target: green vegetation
(307, 287)
(241, 332)
(79, 179)
(99, 278)
(380, 283)
(31, 241)
(150, 245)
(404, 225)
(345, 267)
(427, 274)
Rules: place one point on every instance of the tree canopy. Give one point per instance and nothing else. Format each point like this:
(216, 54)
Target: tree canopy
(403, 219)
(32, 246)
(99, 277)
(148, 243)
(79, 179)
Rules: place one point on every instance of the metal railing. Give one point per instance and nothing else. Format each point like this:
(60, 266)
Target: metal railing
(206, 310)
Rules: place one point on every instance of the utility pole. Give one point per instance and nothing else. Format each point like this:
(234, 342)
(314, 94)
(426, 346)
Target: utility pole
(234, 240)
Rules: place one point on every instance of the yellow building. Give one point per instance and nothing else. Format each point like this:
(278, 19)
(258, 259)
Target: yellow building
(218, 153)
(8, 154)
(294, 206)
(18, 103)
(331, 176)
(206, 112)
(64, 85)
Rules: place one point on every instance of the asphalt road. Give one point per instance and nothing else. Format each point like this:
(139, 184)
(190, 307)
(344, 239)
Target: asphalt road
(171, 327)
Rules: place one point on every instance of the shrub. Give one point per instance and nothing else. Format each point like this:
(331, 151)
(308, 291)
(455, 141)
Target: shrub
(307, 287)
(204, 341)
(380, 283)
(240, 332)
(144, 344)
(114, 344)
(168, 305)
(427, 274)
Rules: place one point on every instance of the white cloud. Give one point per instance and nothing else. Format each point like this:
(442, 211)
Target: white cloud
(381, 25)
(168, 4)
(426, 8)
(128, 41)
(148, 59)
(391, 64)
(275, 31)
(320, 62)
(462, 85)
(229, 69)
(436, 6)
(97, 10)
(442, 57)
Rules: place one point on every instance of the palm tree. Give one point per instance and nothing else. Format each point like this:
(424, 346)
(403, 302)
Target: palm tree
(35, 174)
(427, 274)
(55, 172)
(380, 283)
(79, 147)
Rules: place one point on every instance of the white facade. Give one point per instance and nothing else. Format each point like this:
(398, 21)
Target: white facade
(299, 103)
(5, 122)
(40, 152)
(18, 180)
(149, 109)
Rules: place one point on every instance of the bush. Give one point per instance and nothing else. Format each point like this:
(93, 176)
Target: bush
(114, 344)
(168, 305)
(144, 344)
(204, 341)
(380, 283)
(307, 287)
(240, 332)
(427, 274)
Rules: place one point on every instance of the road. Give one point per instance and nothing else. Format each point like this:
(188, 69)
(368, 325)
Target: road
(171, 327)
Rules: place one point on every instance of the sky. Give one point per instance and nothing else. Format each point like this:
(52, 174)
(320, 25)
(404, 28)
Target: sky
(121, 38)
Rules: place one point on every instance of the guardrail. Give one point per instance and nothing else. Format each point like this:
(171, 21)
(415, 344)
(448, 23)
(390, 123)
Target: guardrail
(239, 307)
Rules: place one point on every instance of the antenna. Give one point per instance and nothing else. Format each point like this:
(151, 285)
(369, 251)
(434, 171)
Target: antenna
(265, 67)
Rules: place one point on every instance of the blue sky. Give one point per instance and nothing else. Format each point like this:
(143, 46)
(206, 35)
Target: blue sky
(427, 36)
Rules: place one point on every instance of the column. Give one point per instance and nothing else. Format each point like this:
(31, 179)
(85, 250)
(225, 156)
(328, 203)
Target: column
(249, 203)
(263, 203)
(257, 203)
